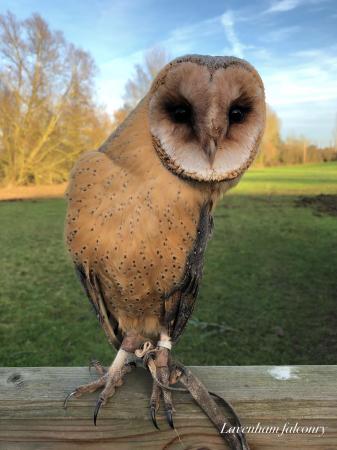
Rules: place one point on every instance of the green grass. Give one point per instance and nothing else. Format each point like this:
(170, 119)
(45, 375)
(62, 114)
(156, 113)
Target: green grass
(310, 179)
(268, 295)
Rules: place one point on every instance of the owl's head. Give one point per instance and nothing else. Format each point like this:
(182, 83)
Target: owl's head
(207, 116)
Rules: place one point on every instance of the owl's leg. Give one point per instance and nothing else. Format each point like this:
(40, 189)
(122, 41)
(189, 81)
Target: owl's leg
(162, 374)
(111, 378)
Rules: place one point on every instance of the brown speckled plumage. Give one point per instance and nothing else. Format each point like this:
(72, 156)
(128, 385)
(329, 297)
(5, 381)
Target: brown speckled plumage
(132, 223)
(140, 208)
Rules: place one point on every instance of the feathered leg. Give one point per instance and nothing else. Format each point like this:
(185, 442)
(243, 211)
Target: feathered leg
(158, 363)
(111, 378)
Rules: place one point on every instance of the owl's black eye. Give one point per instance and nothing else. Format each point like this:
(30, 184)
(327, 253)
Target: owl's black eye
(236, 115)
(180, 113)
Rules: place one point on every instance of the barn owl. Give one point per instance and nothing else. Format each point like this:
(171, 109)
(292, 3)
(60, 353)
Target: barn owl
(140, 209)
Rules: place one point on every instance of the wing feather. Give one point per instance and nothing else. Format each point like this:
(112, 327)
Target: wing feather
(94, 292)
(179, 303)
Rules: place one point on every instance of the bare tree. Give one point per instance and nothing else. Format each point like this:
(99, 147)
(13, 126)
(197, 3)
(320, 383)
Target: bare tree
(47, 112)
(137, 86)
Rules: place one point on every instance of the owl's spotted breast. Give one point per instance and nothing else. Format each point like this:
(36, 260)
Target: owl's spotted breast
(134, 235)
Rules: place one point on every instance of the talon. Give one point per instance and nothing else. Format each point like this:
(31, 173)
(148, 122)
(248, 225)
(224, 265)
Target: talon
(98, 366)
(68, 397)
(97, 408)
(169, 418)
(153, 417)
(92, 364)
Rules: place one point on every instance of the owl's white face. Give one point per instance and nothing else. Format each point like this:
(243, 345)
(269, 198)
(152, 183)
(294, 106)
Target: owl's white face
(207, 116)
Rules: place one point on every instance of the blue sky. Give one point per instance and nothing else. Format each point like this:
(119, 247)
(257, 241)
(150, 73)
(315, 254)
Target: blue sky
(293, 44)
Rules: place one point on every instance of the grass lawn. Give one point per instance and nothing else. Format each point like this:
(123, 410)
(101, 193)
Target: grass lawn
(268, 295)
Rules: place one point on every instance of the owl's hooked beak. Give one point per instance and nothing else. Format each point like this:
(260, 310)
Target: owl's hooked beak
(213, 139)
(210, 149)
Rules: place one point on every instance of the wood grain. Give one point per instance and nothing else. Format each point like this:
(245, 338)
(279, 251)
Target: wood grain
(32, 417)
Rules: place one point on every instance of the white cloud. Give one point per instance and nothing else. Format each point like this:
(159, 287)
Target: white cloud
(307, 76)
(283, 5)
(183, 40)
(278, 6)
(237, 48)
(280, 34)
(303, 92)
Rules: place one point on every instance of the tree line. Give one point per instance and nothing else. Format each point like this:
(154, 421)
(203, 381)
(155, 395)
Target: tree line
(49, 113)
(275, 151)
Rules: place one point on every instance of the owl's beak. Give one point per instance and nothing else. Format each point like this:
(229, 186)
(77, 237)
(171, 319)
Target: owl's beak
(210, 150)
(213, 138)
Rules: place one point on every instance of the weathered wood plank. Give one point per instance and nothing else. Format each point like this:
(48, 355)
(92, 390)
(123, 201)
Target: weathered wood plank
(32, 417)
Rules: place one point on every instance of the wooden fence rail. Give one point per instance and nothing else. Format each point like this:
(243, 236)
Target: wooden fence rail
(301, 401)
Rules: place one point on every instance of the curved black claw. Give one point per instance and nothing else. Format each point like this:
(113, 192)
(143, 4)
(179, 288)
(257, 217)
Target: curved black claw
(97, 408)
(68, 397)
(168, 413)
(153, 417)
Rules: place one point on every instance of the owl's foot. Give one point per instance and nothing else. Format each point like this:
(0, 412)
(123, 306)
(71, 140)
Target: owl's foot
(109, 380)
(206, 401)
(166, 373)
(158, 361)
(161, 381)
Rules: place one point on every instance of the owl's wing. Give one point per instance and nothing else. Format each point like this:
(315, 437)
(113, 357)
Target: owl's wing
(94, 292)
(179, 303)
(85, 193)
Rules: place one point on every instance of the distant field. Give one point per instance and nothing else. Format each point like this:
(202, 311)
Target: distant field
(39, 191)
(268, 294)
(308, 179)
